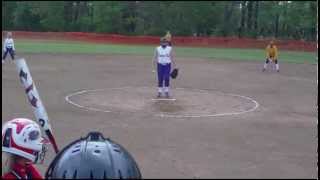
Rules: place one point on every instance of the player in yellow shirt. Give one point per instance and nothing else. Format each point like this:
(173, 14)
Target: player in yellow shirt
(272, 56)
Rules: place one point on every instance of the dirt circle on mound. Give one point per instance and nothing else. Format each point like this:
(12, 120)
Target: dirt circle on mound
(183, 103)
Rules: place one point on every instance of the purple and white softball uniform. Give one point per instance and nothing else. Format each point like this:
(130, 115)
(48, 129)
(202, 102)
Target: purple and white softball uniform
(164, 67)
(8, 47)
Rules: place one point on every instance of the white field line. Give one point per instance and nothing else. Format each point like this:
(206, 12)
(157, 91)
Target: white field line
(67, 98)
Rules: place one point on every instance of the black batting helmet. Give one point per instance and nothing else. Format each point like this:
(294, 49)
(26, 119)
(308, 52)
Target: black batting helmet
(93, 157)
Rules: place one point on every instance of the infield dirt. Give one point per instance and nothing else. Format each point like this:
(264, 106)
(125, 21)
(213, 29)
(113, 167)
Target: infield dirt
(277, 140)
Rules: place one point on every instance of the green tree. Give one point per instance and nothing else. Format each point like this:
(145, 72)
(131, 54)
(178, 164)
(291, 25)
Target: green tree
(243, 9)
(24, 18)
(107, 16)
(282, 19)
(8, 9)
(51, 14)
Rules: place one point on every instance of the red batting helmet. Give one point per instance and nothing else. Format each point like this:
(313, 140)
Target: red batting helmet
(22, 137)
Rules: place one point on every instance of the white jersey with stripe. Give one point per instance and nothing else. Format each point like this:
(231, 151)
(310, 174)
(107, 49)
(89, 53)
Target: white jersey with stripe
(164, 55)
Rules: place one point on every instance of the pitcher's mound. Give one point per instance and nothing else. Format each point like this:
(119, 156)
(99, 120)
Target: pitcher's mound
(183, 103)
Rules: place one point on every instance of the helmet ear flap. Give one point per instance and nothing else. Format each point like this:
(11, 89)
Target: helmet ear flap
(7, 138)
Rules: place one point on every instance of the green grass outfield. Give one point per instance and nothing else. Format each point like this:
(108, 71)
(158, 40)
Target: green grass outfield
(46, 46)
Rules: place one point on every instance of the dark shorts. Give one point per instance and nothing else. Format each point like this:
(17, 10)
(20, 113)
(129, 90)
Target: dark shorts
(10, 51)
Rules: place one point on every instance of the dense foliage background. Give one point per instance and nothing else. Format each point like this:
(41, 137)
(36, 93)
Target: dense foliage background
(280, 19)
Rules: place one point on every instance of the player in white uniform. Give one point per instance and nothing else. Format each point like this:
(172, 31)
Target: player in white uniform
(163, 58)
(8, 47)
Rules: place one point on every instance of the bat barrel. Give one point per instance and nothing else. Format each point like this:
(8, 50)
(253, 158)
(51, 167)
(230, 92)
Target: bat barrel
(34, 99)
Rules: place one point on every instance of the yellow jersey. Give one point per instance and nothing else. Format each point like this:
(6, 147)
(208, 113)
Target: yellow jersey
(272, 52)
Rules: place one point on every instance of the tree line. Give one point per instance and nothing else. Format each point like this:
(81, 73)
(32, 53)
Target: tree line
(255, 19)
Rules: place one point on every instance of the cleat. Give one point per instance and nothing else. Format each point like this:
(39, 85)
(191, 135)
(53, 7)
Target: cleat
(159, 95)
(167, 95)
(263, 70)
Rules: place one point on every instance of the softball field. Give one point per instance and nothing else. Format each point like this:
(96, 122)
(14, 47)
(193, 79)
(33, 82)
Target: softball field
(228, 119)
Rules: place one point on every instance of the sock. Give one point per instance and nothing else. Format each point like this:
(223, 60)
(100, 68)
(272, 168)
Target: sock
(160, 89)
(277, 67)
(166, 89)
(265, 66)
